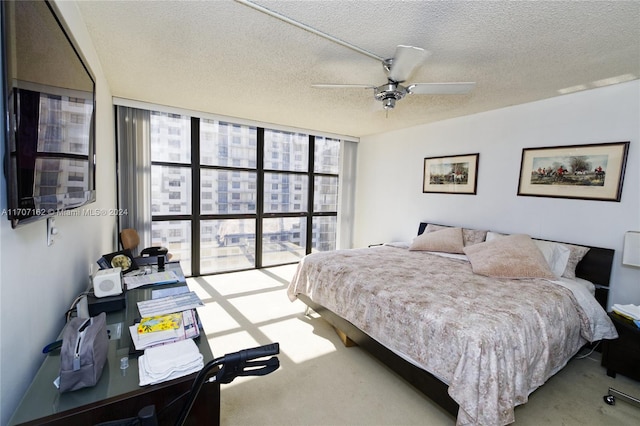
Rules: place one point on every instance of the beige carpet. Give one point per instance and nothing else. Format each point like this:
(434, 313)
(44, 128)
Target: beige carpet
(321, 382)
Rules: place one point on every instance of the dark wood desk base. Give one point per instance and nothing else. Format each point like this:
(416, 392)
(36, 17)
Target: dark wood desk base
(205, 411)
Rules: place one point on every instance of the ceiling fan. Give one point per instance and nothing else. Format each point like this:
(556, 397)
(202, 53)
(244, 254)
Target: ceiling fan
(399, 70)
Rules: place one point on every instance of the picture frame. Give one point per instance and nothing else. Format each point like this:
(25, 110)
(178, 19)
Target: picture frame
(457, 174)
(585, 172)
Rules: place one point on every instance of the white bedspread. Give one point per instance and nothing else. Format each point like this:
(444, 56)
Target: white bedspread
(493, 341)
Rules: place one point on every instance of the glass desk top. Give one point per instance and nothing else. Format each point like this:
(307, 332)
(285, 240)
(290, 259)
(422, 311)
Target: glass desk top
(42, 397)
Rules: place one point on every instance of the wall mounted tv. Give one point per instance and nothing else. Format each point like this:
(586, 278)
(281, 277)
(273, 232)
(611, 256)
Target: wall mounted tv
(49, 103)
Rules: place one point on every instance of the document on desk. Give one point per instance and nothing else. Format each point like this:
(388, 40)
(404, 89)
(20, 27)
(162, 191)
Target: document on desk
(166, 277)
(169, 304)
(188, 329)
(168, 291)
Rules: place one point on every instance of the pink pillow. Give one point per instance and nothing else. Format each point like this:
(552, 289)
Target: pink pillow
(514, 256)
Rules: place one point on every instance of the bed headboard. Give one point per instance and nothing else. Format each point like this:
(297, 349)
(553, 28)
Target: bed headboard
(595, 266)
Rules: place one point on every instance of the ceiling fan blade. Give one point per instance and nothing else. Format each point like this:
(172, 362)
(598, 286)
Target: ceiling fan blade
(343, 86)
(406, 59)
(441, 88)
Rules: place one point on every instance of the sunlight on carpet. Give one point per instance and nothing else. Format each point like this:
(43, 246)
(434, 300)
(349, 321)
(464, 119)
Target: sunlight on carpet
(297, 340)
(251, 308)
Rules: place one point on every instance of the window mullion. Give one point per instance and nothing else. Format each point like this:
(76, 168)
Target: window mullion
(195, 196)
(310, 170)
(259, 196)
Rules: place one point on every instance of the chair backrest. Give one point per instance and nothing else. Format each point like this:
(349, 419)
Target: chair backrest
(129, 239)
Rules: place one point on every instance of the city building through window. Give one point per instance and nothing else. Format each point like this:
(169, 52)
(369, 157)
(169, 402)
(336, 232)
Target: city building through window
(227, 197)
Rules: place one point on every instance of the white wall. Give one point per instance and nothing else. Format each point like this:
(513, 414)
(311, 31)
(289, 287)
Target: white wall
(390, 202)
(38, 283)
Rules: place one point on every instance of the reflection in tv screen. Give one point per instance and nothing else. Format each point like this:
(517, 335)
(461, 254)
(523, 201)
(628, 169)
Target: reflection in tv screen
(50, 104)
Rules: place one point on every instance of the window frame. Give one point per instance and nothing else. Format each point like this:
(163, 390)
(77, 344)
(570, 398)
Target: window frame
(196, 217)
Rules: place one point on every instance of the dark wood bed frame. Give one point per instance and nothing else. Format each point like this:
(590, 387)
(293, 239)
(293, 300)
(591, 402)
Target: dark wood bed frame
(595, 267)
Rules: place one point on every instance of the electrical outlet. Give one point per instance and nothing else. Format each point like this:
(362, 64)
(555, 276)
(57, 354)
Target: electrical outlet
(51, 230)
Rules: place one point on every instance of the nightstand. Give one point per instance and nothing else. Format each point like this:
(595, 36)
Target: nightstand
(622, 355)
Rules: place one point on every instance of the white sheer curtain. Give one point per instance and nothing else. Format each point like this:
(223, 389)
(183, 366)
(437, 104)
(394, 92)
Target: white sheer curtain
(134, 170)
(346, 201)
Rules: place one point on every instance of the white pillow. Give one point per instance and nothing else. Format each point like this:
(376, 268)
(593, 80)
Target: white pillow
(576, 253)
(494, 235)
(555, 254)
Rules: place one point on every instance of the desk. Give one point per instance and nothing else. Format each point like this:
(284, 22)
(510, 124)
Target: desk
(117, 394)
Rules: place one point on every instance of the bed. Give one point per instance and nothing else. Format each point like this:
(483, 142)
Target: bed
(474, 319)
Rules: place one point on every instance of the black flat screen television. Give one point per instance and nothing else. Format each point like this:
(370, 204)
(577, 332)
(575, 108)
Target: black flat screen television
(49, 101)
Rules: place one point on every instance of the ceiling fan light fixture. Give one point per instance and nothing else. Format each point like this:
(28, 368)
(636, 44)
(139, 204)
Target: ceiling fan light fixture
(389, 103)
(389, 93)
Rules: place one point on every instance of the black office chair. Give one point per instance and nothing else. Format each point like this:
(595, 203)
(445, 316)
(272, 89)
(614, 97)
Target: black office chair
(233, 365)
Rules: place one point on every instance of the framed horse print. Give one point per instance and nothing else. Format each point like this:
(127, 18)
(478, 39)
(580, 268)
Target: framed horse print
(451, 175)
(586, 172)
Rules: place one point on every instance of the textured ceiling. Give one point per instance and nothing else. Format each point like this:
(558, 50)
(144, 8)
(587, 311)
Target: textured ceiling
(223, 57)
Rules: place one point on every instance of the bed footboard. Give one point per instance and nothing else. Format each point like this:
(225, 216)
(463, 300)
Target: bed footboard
(424, 381)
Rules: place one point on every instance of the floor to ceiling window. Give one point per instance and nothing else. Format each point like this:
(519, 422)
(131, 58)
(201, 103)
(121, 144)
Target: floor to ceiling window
(228, 197)
(171, 185)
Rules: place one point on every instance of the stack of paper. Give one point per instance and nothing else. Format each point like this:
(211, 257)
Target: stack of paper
(187, 329)
(169, 304)
(629, 311)
(167, 277)
(162, 363)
